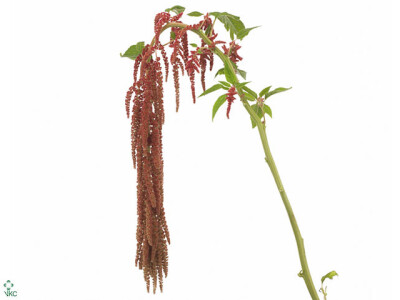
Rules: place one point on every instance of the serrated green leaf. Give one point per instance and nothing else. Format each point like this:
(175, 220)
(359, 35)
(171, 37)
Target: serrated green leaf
(221, 100)
(242, 84)
(214, 88)
(330, 275)
(250, 91)
(267, 110)
(195, 14)
(242, 33)
(229, 75)
(193, 45)
(242, 73)
(176, 9)
(133, 51)
(264, 91)
(225, 84)
(232, 23)
(275, 91)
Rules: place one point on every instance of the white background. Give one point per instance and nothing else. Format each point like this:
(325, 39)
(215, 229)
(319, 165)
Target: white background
(68, 198)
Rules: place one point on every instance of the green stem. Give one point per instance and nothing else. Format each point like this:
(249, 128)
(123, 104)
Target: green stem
(305, 272)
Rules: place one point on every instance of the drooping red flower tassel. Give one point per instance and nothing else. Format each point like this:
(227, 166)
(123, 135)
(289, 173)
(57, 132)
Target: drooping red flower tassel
(230, 96)
(146, 132)
(192, 65)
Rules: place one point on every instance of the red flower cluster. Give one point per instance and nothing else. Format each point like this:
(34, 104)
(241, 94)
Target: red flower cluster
(232, 51)
(147, 119)
(192, 65)
(230, 96)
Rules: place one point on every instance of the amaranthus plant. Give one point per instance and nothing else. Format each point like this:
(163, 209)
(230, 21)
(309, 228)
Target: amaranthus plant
(145, 106)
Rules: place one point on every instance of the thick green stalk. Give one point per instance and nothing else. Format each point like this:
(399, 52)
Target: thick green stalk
(305, 272)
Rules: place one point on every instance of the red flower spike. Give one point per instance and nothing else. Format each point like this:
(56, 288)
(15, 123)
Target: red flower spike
(206, 54)
(147, 118)
(159, 21)
(230, 96)
(146, 132)
(138, 60)
(211, 61)
(232, 51)
(185, 47)
(180, 64)
(165, 58)
(175, 71)
(193, 65)
(177, 17)
(128, 100)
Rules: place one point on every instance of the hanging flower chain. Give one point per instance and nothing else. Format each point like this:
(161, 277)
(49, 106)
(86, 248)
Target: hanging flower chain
(144, 105)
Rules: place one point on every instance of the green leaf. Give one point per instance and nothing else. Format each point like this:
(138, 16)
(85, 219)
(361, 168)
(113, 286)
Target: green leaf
(225, 84)
(329, 275)
(220, 72)
(195, 14)
(193, 45)
(242, 73)
(133, 51)
(229, 75)
(176, 9)
(275, 91)
(250, 91)
(234, 65)
(173, 35)
(257, 109)
(242, 84)
(232, 23)
(249, 96)
(214, 88)
(242, 33)
(231, 35)
(267, 110)
(264, 91)
(221, 100)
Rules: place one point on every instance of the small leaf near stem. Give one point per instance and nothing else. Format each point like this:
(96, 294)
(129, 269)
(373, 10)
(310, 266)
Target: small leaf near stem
(221, 100)
(195, 14)
(226, 84)
(330, 275)
(250, 91)
(229, 75)
(214, 88)
(244, 32)
(133, 51)
(176, 9)
(265, 90)
(275, 91)
(241, 84)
